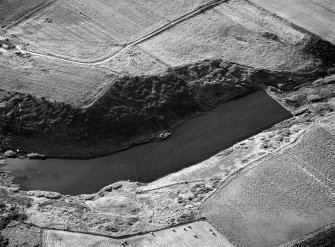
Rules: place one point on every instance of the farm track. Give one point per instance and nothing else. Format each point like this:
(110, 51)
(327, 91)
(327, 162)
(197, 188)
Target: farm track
(154, 33)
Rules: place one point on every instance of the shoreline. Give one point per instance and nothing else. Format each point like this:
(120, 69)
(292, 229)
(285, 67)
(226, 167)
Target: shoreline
(142, 140)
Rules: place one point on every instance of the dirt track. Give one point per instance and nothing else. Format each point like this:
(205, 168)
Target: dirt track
(159, 30)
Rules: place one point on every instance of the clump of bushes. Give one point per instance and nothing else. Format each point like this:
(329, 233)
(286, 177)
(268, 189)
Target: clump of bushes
(321, 49)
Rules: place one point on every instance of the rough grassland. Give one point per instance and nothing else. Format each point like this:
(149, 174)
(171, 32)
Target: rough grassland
(62, 31)
(316, 16)
(283, 198)
(243, 36)
(195, 234)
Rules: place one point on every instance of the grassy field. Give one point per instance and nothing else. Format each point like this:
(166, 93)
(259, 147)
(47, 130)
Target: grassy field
(54, 79)
(197, 234)
(281, 199)
(234, 31)
(316, 16)
(62, 31)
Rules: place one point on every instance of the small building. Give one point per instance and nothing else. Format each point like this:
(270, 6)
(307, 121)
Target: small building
(6, 44)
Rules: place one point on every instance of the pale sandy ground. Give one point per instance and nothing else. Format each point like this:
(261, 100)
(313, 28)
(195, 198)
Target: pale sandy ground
(316, 16)
(197, 234)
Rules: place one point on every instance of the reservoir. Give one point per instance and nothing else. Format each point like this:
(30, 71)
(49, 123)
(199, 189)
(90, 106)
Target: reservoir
(192, 142)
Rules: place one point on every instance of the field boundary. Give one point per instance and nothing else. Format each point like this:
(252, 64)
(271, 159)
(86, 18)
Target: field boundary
(149, 35)
(121, 237)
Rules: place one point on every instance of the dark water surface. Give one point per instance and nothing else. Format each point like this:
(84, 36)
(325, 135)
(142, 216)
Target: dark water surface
(192, 142)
